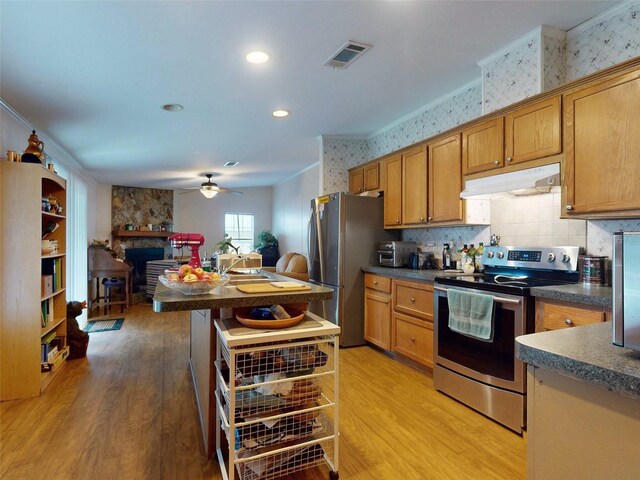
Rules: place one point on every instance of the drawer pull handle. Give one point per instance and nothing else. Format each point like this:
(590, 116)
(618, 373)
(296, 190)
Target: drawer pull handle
(569, 207)
(509, 159)
(375, 283)
(568, 321)
(386, 302)
(413, 300)
(413, 339)
(496, 162)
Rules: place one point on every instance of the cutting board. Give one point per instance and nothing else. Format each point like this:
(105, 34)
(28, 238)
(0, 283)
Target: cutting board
(268, 288)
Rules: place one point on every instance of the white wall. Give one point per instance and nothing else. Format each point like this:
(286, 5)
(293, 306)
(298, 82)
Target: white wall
(192, 212)
(291, 206)
(102, 228)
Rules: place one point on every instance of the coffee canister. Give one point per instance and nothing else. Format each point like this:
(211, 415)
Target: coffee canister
(592, 269)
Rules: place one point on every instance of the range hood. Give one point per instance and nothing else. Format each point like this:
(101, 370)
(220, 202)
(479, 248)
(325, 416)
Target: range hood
(523, 182)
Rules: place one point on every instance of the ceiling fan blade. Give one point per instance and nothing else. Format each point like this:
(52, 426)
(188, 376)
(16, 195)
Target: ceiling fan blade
(226, 190)
(188, 190)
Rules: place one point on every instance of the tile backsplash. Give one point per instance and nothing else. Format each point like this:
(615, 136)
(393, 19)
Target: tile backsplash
(535, 221)
(528, 221)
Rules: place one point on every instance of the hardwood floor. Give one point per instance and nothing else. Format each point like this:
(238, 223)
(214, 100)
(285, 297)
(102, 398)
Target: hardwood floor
(127, 411)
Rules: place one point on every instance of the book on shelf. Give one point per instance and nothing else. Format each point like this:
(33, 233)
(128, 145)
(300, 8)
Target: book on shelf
(55, 360)
(51, 355)
(48, 337)
(53, 267)
(46, 312)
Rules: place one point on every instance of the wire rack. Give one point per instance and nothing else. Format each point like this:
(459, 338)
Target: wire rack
(276, 404)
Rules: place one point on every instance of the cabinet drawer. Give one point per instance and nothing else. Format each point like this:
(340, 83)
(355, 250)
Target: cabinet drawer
(556, 316)
(414, 299)
(377, 282)
(413, 338)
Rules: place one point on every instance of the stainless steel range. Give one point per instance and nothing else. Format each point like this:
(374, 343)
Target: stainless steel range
(486, 375)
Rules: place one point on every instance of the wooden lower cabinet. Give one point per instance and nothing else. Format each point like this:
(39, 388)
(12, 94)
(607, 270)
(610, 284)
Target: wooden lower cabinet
(413, 338)
(377, 324)
(401, 322)
(377, 310)
(551, 315)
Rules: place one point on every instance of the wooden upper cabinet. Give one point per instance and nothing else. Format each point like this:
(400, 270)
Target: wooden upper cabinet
(356, 180)
(393, 191)
(445, 180)
(533, 131)
(414, 181)
(483, 146)
(372, 177)
(365, 178)
(602, 147)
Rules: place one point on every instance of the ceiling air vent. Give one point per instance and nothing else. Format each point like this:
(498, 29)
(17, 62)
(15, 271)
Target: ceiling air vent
(347, 54)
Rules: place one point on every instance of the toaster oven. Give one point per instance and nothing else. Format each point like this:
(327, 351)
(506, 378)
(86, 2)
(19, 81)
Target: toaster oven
(395, 253)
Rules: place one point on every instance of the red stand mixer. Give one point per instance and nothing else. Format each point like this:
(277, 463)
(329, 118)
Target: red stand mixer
(190, 240)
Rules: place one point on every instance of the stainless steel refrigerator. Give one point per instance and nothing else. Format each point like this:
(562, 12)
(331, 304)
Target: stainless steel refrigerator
(344, 232)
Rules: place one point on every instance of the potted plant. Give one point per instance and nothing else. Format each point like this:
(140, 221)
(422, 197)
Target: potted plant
(224, 245)
(267, 246)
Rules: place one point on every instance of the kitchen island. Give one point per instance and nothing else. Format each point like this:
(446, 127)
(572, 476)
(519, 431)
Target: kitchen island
(204, 310)
(583, 404)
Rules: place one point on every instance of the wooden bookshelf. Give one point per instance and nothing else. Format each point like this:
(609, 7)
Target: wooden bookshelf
(22, 265)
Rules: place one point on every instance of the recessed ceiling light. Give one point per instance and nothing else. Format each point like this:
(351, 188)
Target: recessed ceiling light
(230, 164)
(172, 107)
(257, 57)
(280, 113)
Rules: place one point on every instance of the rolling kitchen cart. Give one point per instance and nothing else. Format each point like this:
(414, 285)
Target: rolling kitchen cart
(276, 399)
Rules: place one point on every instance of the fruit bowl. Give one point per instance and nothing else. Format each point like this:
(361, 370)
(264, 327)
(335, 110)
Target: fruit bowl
(197, 287)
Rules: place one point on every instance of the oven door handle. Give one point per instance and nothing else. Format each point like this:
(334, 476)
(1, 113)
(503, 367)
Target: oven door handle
(495, 299)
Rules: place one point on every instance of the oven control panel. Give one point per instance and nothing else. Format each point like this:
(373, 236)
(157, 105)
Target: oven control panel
(543, 258)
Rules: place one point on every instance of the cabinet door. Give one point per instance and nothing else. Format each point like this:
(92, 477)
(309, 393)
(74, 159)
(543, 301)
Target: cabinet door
(445, 180)
(533, 131)
(372, 177)
(482, 147)
(414, 182)
(356, 180)
(602, 146)
(377, 320)
(413, 338)
(413, 298)
(393, 191)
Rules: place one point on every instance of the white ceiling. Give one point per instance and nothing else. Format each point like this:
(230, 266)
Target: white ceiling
(93, 75)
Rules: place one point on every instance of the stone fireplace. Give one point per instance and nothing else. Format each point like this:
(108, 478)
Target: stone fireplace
(141, 208)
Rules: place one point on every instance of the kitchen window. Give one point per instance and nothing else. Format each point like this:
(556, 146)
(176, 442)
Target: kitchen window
(239, 226)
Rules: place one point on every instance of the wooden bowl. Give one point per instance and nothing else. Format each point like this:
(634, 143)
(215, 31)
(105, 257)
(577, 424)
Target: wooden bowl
(296, 317)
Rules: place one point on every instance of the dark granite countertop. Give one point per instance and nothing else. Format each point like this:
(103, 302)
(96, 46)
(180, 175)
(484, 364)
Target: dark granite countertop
(596, 295)
(584, 353)
(404, 273)
(168, 300)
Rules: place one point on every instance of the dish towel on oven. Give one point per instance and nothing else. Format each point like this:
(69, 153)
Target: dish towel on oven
(471, 314)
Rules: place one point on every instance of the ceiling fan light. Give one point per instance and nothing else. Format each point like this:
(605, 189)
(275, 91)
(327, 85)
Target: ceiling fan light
(207, 192)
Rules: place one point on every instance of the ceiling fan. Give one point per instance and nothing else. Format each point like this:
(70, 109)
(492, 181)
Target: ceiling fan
(210, 189)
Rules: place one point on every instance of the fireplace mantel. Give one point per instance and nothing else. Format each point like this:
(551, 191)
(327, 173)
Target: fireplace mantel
(137, 233)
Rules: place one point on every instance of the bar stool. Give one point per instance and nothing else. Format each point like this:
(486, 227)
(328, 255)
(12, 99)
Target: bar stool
(109, 284)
